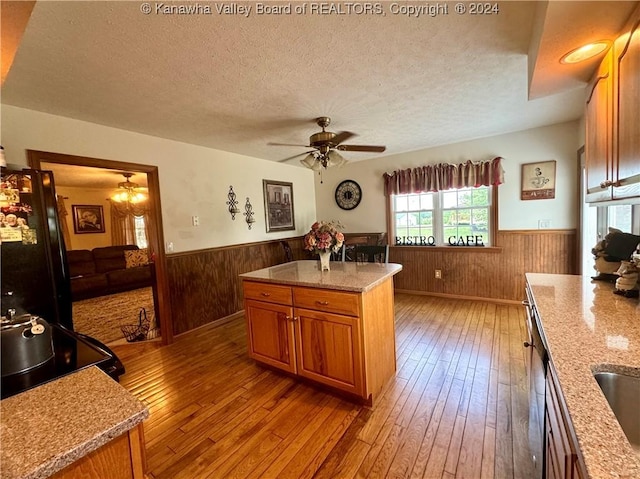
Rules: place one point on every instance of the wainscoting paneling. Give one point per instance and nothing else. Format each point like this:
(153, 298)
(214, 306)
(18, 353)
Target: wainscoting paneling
(495, 274)
(204, 285)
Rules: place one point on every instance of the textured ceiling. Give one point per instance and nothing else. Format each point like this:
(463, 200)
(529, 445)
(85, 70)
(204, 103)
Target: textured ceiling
(236, 83)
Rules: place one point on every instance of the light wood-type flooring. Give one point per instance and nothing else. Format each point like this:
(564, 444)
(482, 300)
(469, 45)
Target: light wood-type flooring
(457, 407)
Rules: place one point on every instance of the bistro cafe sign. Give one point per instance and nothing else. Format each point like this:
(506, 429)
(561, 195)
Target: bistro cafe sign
(431, 241)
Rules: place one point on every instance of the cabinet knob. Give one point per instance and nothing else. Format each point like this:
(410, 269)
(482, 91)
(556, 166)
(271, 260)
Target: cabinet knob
(266, 295)
(323, 303)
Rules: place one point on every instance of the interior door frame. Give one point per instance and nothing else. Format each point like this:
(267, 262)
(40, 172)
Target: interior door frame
(156, 236)
(581, 163)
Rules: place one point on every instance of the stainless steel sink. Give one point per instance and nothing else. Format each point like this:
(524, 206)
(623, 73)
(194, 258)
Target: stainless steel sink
(623, 394)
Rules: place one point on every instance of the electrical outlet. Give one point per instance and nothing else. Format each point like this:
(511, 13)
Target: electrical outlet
(195, 220)
(544, 224)
(169, 247)
(438, 274)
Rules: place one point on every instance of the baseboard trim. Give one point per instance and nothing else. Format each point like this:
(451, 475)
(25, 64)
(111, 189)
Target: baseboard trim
(458, 296)
(215, 323)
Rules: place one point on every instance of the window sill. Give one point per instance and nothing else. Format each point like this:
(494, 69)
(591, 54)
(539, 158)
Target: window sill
(460, 249)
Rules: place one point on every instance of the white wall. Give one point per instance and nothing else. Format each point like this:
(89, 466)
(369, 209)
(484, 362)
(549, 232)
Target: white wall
(193, 180)
(556, 142)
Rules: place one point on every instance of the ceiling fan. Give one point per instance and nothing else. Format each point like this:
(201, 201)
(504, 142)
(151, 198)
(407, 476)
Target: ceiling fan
(324, 144)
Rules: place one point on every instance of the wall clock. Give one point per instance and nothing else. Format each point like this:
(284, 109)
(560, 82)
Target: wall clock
(348, 194)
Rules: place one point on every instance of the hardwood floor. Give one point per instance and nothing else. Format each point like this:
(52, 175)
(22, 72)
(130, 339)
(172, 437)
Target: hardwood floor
(457, 407)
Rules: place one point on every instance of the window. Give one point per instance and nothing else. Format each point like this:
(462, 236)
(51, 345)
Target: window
(141, 235)
(452, 217)
(619, 216)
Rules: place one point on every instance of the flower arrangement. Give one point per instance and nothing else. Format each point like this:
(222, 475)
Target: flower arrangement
(324, 236)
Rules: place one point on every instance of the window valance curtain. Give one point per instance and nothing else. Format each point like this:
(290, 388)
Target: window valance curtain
(123, 230)
(444, 176)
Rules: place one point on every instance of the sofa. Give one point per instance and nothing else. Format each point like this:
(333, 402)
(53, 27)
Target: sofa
(107, 270)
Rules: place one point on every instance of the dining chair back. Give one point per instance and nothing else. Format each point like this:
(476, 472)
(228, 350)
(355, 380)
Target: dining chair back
(371, 253)
(288, 254)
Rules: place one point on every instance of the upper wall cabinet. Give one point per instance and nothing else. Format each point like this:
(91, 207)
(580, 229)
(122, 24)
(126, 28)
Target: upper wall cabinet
(628, 116)
(612, 112)
(599, 123)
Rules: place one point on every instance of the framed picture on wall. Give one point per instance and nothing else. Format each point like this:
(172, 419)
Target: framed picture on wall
(278, 205)
(538, 181)
(88, 219)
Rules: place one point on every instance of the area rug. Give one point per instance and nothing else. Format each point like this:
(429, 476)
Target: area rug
(102, 317)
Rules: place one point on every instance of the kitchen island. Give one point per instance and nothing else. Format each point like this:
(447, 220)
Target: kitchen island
(335, 328)
(81, 425)
(588, 329)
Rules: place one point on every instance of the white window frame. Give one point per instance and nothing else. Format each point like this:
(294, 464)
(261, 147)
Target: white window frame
(438, 228)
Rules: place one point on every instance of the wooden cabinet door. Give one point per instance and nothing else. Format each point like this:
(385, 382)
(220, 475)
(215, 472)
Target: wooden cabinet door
(599, 133)
(628, 108)
(329, 349)
(270, 334)
(561, 455)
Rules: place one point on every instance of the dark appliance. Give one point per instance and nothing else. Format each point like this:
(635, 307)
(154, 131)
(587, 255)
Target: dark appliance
(537, 361)
(26, 343)
(35, 282)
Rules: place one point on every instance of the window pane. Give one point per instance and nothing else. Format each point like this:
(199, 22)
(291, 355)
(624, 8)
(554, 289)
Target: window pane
(480, 196)
(426, 218)
(402, 231)
(619, 216)
(480, 220)
(449, 217)
(465, 230)
(449, 199)
(426, 231)
(414, 202)
(414, 231)
(449, 231)
(464, 198)
(401, 220)
(413, 219)
(426, 201)
(141, 236)
(464, 217)
(401, 203)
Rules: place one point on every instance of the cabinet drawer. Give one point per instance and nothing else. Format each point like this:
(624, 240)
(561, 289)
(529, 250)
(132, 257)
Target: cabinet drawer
(270, 293)
(328, 301)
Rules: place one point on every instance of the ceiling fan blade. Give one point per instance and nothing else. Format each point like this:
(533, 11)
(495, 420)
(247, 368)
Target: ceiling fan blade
(295, 156)
(342, 136)
(371, 148)
(287, 144)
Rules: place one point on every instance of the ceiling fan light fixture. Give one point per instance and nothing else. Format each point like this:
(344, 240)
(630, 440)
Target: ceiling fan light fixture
(311, 162)
(335, 159)
(585, 52)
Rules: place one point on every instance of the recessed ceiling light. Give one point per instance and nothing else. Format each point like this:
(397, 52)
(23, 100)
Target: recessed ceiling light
(585, 52)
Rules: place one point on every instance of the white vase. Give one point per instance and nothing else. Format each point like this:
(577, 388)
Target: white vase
(325, 257)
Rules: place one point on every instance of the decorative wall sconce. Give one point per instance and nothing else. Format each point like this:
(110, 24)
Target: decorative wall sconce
(232, 203)
(248, 213)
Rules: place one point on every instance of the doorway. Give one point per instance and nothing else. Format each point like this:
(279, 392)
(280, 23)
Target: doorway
(155, 231)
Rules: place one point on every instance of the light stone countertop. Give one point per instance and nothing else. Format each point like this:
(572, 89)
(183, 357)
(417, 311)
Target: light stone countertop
(347, 276)
(587, 329)
(45, 429)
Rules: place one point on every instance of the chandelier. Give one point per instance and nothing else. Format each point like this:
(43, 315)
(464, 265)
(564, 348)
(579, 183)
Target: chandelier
(127, 192)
